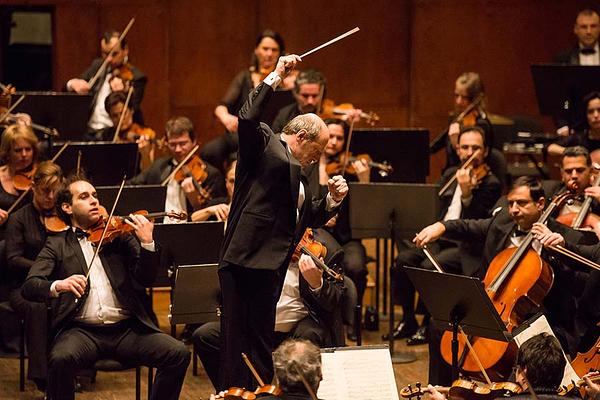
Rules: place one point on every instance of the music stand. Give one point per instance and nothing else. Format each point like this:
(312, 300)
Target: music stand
(555, 83)
(104, 163)
(66, 111)
(466, 305)
(406, 150)
(146, 197)
(195, 297)
(187, 244)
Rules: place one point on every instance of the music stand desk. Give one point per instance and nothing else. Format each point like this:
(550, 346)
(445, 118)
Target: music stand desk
(195, 295)
(145, 197)
(459, 301)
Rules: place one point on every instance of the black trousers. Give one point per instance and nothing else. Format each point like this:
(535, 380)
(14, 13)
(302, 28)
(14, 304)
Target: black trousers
(249, 300)
(355, 266)
(36, 333)
(130, 342)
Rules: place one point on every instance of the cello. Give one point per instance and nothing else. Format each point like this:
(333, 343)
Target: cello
(516, 282)
(584, 218)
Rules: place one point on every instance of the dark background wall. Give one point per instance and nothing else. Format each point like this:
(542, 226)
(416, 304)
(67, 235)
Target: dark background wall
(402, 64)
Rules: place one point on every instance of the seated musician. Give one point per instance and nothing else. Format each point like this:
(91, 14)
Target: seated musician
(181, 196)
(505, 229)
(308, 308)
(467, 88)
(218, 208)
(589, 135)
(105, 319)
(309, 90)
(18, 152)
(129, 131)
(576, 172)
(355, 257)
(118, 76)
(540, 363)
(294, 360)
(25, 236)
(467, 198)
(269, 46)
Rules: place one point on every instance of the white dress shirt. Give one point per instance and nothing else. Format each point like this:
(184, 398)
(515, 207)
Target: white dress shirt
(99, 118)
(590, 59)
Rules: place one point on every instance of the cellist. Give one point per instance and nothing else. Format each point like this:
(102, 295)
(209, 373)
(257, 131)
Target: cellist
(507, 228)
(576, 170)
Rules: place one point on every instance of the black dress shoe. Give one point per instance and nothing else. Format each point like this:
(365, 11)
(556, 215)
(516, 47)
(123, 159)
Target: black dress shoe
(403, 330)
(420, 337)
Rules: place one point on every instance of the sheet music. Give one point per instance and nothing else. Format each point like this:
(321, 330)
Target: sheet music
(360, 373)
(538, 326)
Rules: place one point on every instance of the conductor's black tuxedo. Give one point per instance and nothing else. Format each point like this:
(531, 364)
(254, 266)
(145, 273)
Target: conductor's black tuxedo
(262, 232)
(133, 341)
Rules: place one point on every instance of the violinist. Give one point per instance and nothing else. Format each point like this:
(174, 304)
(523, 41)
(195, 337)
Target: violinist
(18, 151)
(468, 88)
(130, 131)
(119, 74)
(576, 171)
(589, 135)
(506, 228)
(467, 197)
(25, 236)
(218, 208)
(308, 308)
(109, 318)
(181, 196)
(309, 90)
(269, 45)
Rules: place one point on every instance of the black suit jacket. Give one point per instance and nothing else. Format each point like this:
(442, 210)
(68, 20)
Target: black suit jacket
(261, 230)
(569, 57)
(139, 86)
(162, 167)
(128, 266)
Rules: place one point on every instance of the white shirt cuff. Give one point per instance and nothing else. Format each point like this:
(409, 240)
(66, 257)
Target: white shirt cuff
(273, 80)
(331, 204)
(149, 246)
(53, 291)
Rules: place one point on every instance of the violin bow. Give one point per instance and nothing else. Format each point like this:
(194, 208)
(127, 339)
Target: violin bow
(310, 391)
(12, 107)
(100, 71)
(125, 107)
(112, 212)
(431, 259)
(78, 169)
(347, 151)
(340, 37)
(252, 369)
(475, 356)
(22, 196)
(465, 165)
(180, 165)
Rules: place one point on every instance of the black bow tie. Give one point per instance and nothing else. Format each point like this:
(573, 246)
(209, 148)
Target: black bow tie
(518, 233)
(588, 51)
(80, 233)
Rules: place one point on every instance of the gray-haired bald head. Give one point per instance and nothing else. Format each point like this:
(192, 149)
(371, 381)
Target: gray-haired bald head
(311, 123)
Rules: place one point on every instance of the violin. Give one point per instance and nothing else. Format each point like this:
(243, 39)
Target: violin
(588, 361)
(117, 225)
(579, 385)
(517, 280)
(584, 218)
(331, 110)
(466, 390)
(53, 223)
(236, 393)
(262, 389)
(191, 166)
(24, 179)
(316, 250)
(479, 172)
(335, 166)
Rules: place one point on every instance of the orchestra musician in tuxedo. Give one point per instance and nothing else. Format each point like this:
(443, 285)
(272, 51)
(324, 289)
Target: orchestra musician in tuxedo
(97, 310)
(507, 228)
(467, 197)
(270, 210)
(119, 75)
